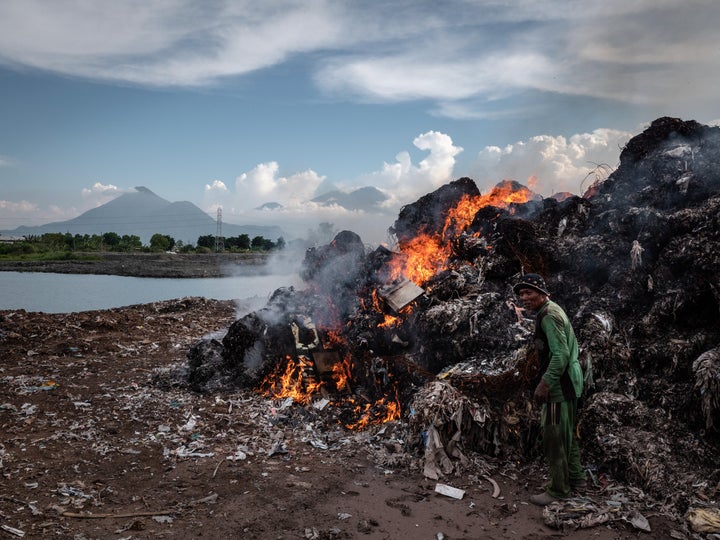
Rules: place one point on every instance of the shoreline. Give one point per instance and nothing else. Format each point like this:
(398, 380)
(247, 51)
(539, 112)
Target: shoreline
(157, 265)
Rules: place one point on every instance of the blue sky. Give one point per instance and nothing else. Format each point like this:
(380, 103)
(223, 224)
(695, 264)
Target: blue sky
(236, 103)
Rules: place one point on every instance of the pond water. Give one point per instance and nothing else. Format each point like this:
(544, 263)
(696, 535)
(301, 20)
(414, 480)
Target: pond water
(66, 293)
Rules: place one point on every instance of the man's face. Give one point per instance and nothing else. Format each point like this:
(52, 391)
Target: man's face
(531, 299)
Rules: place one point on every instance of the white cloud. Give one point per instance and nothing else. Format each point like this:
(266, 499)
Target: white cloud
(17, 207)
(402, 181)
(550, 163)
(167, 42)
(444, 77)
(263, 184)
(555, 162)
(559, 164)
(216, 186)
(99, 194)
(14, 214)
(657, 52)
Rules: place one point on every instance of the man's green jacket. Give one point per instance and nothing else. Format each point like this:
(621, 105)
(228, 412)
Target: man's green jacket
(563, 350)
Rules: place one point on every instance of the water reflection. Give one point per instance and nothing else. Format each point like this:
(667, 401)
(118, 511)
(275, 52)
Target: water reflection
(65, 293)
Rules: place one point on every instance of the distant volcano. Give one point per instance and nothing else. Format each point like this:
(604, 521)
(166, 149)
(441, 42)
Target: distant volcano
(366, 198)
(143, 213)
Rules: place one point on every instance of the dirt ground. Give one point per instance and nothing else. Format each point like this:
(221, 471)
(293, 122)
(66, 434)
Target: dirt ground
(99, 440)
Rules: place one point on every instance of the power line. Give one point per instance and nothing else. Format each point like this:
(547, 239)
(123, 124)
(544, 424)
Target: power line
(219, 240)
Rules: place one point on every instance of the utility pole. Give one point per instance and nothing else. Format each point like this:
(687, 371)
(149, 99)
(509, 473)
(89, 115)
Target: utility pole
(219, 240)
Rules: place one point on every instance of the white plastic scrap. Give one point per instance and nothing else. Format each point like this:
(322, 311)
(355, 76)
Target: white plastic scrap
(239, 455)
(27, 409)
(73, 492)
(191, 450)
(321, 404)
(449, 491)
(561, 226)
(604, 320)
(636, 252)
(639, 521)
(13, 530)
(682, 150)
(286, 403)
(319, 444)
(190, 424)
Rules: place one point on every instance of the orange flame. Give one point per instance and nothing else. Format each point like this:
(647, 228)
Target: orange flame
(389, 321)
(422, 257)
(288, 382)
(426, 254)
(376, 302)
(333, 339)
(385, 410)
(341, 374)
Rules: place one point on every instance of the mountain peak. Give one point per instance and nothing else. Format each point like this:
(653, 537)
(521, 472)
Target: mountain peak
(143, 213)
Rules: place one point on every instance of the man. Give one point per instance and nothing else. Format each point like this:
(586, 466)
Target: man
(559, 388)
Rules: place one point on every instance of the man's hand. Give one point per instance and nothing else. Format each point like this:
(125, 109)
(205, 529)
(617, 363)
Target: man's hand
(542, 392)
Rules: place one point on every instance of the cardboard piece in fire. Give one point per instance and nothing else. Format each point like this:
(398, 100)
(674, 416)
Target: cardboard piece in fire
(398, 295)
(317, 362)
(306, 339)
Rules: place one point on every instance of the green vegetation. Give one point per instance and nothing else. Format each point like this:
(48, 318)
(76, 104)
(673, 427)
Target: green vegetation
(58, 246)
(241, 243)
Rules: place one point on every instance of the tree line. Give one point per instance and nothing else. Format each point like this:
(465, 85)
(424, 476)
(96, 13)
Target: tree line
(68, 243)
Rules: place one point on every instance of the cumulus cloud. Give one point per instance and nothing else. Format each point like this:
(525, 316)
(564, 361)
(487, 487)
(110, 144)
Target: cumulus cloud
(551, 163)
(263, 184)
(402, 181)
(99, 194)
(556, 163)
(216, 186)
(548, 163)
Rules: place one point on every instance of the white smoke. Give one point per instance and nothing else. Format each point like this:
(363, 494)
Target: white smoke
(551, 164)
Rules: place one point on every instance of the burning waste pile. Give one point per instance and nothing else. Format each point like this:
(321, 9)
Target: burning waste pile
(427, 332)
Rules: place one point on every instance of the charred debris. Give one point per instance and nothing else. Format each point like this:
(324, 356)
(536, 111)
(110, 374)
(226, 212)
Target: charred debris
(427, 333)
